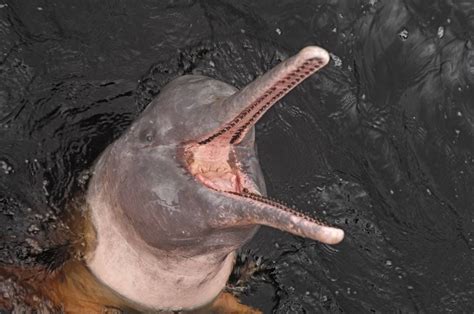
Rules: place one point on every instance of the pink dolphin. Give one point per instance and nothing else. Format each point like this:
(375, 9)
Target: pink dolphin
(175, 196)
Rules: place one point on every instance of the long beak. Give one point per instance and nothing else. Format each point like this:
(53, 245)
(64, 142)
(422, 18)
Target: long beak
(249, 104)
(245, 108)
(241, 209)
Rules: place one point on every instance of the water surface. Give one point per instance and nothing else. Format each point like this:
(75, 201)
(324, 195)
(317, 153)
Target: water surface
(380, 142)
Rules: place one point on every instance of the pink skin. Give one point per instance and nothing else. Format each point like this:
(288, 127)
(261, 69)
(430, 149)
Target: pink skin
(175, 196)
(210, 154)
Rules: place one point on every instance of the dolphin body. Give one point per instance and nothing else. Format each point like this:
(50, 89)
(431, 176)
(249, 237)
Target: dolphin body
(174, 197)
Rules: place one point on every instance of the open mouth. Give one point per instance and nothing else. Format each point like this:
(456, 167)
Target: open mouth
(211, 159)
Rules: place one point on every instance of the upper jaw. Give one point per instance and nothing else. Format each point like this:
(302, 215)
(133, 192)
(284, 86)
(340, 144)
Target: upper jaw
(215, 148)
(256, 98)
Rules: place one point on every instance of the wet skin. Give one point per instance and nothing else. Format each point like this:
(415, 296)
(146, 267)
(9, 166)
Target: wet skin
(182, 189)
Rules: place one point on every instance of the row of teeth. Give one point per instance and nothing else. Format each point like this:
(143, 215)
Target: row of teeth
(278, 204)
(303, 71)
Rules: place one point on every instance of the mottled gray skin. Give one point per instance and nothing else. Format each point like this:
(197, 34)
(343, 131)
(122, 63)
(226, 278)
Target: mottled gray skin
(154, 193)
(182, 189)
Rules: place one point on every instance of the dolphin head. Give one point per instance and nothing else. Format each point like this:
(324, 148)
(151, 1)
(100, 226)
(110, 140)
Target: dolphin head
(184, 181)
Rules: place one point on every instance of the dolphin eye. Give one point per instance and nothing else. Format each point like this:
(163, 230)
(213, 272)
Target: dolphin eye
(147, 136)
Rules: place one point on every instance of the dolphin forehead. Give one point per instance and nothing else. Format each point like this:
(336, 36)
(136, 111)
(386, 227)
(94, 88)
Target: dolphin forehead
(185, 109)
(196, 90)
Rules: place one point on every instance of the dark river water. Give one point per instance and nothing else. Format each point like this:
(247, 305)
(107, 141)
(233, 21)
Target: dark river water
(380, 142)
